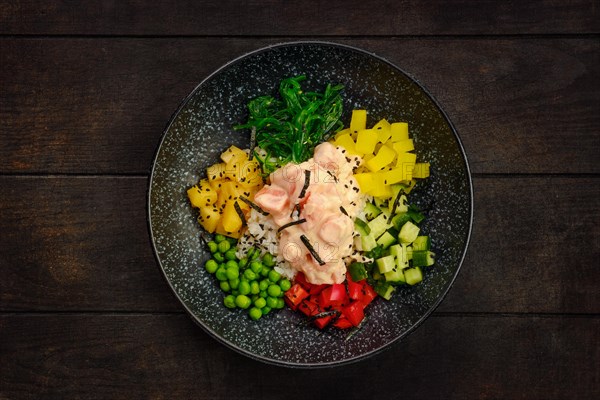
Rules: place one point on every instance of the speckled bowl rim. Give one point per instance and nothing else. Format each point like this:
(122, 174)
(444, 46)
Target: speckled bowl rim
(360, 357)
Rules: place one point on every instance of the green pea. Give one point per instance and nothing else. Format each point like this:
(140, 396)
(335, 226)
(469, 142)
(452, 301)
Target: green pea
(264, 272)
(280, 303)
(255, 255)
(221, 274)
(231, 263)
(264, 284)
(260, 302)
(263, 294)
(243, 262)
(229, 301)
(232, 272)
(285, 285)
(230, 254)
(271, 302)
(225, 286)
(255, 313)
(219, 257)
(244, 287)
(254, 289)
(265, 310)
(249, 274)
(274, 276)
(268, 260)
(219, 238)
(212, 246)
(274, 290)
(234, 283)
(242, 301)
(256, 266)
(211, 266)
(224, 246)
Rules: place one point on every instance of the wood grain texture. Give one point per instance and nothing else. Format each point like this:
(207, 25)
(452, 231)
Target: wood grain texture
(519, 105)
(272, 17)
(81, 244)
(167, 357)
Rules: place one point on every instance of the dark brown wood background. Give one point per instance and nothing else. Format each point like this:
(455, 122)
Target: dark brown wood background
(85, 92)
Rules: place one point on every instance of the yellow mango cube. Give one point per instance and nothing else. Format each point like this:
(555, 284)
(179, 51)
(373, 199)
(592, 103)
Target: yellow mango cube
(382, 159)
(202, 194)
(366, 141)
(209, 218)
(216, 171)
(380, 187)
(358, 121)
(399, 131)
(230, 218)
(233, 154)
(395, 175)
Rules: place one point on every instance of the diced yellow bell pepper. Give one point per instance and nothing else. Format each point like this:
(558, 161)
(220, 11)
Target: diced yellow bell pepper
(403, 146)
(406, 160)
(340, 133)
(366, 141)
(399, 131)
(383, 158)
(396, 175)
(365, 181)
(421, 170)
(358, 121)
(380, 187)
(383, 130)
(347, 142)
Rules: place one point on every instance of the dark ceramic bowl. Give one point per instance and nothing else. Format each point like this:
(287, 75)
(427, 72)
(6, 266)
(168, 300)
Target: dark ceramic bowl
(202, 128)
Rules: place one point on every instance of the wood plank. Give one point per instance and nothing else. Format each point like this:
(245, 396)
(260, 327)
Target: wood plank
(82, 244)
(270, 17)
(167, 356)
(100, 105)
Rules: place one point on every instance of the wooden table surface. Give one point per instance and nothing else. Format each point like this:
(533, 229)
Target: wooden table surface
(86, 90)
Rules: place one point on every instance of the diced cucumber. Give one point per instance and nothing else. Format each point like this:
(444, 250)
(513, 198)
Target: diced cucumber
(386, 240)
(413, 275)
(422, 243)
(381, 203)
(415, 214)
(409, 252)
(379, 225)
(400, 219)
(361, 227)
(395, 276)
(371, 211)
(385, 290)
(385, 264)
(368, 242)
(395, 249)
(357, 271)
(408, 233)
(399, 200)
(423, 258)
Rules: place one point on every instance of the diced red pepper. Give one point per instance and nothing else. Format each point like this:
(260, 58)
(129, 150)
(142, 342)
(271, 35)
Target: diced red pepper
(309, 308)
(355, 288)
(354, 312)
(301, 279)
(369, 294)
(342, 323)
(295, 295)
(323, 321)
(333, 296)
(316, 289)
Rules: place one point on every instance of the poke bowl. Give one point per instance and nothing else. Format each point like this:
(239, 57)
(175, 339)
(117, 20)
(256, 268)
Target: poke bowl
(203, 127)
